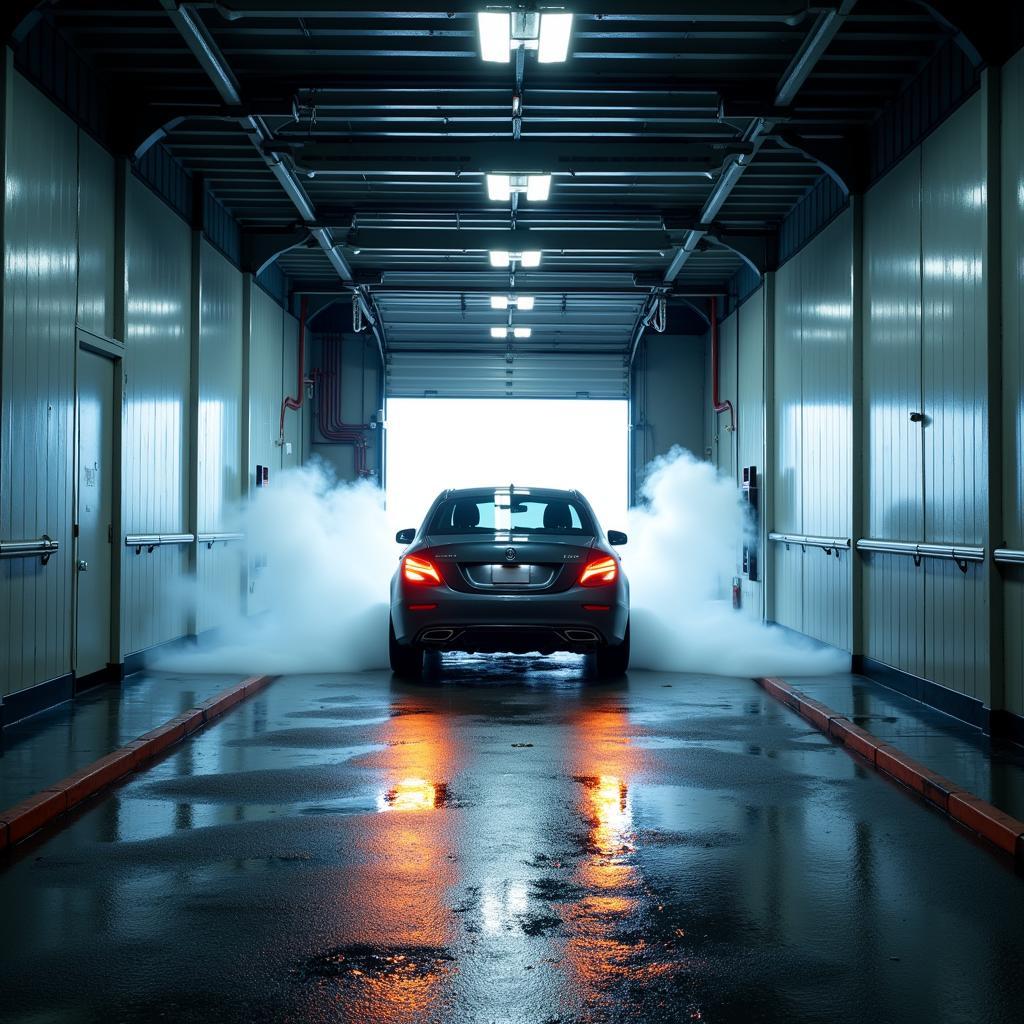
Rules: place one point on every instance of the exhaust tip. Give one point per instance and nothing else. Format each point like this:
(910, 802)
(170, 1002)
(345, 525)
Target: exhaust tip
(581, 636)
(437, 636)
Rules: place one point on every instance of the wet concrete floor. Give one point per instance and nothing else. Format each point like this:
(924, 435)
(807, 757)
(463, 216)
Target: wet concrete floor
(510, 843)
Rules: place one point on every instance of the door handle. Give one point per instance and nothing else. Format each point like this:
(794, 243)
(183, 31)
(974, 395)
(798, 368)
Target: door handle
(83, 566)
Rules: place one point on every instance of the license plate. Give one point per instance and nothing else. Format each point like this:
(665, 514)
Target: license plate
(510, 575)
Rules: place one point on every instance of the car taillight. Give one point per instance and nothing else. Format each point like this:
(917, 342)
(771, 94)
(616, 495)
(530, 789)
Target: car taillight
(420, 570)
(599, 572)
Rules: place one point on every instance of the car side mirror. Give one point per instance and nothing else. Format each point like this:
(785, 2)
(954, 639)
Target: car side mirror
(617, 537)
(405, 536)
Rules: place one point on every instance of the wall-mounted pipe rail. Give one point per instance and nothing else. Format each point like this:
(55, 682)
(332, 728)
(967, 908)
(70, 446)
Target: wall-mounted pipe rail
(962, 554)
(42, 548)
(827, 544)
(1008, 556)
(209, 539)
(149, 541)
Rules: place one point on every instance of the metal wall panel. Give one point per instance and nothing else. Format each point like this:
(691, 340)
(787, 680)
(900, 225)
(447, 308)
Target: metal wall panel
(786, 578)
(750, 422)
(158, 260)
(289, 378)
(96, 261)
(1013, 371)
(893, 589)
(728, 370)
(266, 332)
(826, 375)
(219, 415)
(37, 395)
(955, 384)
(414, 374)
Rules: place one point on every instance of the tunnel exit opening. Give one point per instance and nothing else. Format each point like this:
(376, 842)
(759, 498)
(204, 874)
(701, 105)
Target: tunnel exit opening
(434, 443)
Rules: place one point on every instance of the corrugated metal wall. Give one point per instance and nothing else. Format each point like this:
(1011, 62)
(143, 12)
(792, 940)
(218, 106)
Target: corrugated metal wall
(61, 266)
(219, 419)
(37, 404)
(926, 340)
(669, 402)
(1013, 373)
(813, 388)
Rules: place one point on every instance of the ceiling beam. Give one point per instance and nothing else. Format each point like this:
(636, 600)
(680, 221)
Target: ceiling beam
(361, 155)
(416, 240)
(788, 12)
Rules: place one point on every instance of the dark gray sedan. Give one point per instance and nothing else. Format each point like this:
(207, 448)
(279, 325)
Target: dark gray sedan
(515, 569)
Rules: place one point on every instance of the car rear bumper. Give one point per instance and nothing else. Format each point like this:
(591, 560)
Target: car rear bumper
(444, 619)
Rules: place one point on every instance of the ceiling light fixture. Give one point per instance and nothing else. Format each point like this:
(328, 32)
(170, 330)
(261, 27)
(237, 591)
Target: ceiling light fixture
(547, 32)
(524, 302)
(529, 258)
(514, 332)
(537, 187)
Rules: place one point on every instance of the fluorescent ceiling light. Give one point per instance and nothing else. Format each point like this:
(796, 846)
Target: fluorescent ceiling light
(500, 187)
(538, 187)
(495, 41)
(517, 332)
(553, 46)
(524, 302)
(504, 31)
(528, 258)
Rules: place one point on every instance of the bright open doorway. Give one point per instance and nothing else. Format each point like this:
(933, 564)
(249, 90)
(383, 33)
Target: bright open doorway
(434, 443)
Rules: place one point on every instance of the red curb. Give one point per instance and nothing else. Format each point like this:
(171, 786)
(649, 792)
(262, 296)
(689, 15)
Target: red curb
(853, 736)
(999, 828)
(21, 820)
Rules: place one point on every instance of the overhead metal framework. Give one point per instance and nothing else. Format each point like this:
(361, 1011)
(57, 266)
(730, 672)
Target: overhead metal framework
(353, 142)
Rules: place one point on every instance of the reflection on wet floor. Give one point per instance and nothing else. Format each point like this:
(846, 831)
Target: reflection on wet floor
(509, 842)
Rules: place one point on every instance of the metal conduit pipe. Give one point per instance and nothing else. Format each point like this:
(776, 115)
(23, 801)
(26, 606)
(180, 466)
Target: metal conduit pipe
(716, 402)
(296, 403)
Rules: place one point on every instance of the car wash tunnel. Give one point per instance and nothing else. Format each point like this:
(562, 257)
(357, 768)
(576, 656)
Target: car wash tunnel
(512, 513)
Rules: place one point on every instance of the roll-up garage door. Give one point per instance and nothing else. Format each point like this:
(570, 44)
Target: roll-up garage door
(529, 375)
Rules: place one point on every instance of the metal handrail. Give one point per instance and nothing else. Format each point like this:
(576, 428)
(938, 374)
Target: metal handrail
(156, 540)
(959, 553)
(1009, 556)
(42, 548)
(209, 539)
(827, 544)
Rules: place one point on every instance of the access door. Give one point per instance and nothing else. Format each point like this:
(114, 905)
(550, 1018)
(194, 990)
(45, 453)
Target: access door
(94, 518)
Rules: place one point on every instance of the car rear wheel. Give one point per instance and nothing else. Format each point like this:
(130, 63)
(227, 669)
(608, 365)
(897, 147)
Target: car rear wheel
(613, 661)
(406, 660)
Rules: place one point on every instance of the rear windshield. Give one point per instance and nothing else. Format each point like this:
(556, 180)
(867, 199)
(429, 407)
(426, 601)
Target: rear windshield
(518, 512)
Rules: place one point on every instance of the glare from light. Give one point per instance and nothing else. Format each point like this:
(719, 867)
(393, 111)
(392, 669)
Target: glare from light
(499, 187)
(523, 302)
(495, 36)
(538, 187)
(499, 332)
(522, 332)
(532, 442)
(555, 30)
(502, 258)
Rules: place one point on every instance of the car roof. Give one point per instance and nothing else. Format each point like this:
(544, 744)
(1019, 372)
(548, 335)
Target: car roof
(542, 492)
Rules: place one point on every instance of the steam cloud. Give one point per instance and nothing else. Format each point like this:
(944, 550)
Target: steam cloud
(330, 555)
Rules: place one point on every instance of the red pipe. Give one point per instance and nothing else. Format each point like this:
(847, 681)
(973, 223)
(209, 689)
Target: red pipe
(332, 428)
(719, 405)
(296, 402)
